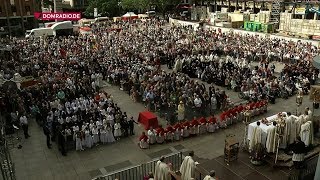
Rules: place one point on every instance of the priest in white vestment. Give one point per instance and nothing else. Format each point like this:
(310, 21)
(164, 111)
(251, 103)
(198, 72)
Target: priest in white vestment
(181, 111)
(211, 176)
(271, 138)
(256, 136)
(299, 122)
(152, 136)
(162, 170)
(291, 128)
(188, 166)
(306, 133)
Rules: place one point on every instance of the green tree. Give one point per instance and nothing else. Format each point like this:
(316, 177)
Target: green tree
(165, 5)
(140, 5)
(105, 7)
(129, 5)
(144, 5)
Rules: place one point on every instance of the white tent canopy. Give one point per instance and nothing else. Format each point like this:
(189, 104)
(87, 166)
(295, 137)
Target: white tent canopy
(129, 14)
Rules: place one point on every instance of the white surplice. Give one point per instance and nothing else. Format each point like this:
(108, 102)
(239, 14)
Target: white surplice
(291, 129)
(187, 168)
(152, 136)
(271, 139)
(208, 178)
(162, 171)
(299, 122)
(256, 137)
(305, 133)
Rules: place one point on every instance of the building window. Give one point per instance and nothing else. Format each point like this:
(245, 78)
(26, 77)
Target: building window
(13, 8)
(297, 16)
(0, 10)
(27, 8)
(12, 2)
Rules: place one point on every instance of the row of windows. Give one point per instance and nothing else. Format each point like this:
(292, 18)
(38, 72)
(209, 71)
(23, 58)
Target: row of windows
(12, 2)
(14, 8)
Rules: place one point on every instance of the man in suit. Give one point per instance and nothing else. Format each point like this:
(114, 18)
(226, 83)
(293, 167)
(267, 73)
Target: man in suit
(62, 141)
(131, 123)
(46, 132)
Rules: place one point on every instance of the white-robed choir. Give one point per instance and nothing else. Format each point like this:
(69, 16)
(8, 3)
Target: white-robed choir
(94, 133)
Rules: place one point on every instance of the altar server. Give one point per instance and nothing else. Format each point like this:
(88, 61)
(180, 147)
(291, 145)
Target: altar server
(143, 141)
(152, 136)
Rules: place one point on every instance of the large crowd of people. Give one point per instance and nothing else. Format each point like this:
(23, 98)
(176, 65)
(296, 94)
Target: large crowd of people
(236, 72)
(68, 101)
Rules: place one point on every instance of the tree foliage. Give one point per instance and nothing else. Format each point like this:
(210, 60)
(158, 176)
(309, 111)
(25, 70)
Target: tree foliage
(105, 7)
(129, 5)
(164, 5)
(140, 5)
(113, 7)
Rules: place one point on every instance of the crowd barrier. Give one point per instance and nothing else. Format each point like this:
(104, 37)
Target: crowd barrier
(307, 172)
(140, 171)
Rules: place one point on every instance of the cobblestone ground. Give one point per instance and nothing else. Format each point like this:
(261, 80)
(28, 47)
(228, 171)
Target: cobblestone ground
(36, 161)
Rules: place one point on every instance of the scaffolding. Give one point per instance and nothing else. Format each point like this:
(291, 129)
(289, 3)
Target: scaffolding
(275, 11)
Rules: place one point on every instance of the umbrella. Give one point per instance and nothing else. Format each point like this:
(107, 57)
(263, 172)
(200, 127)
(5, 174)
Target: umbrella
(316, 62)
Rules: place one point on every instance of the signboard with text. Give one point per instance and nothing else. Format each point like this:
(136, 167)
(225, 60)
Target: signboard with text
(71, 16)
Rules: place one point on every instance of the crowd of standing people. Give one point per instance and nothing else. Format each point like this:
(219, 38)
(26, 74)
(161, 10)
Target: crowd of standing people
(67, 99)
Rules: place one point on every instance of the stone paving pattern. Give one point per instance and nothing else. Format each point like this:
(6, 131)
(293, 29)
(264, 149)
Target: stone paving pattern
(35, 161)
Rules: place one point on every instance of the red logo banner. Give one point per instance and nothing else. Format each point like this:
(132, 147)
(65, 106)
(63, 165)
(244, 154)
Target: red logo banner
(73, 16)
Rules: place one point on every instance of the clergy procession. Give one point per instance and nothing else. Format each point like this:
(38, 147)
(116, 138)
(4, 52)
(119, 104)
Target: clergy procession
(164, 171)
(283, 131)
(202, 125)
(183, 75)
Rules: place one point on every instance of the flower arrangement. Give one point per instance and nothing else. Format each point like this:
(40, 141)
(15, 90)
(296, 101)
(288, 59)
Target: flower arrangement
(258, 154)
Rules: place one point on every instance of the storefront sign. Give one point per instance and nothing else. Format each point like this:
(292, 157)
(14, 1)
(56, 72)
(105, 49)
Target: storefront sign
(300, 10)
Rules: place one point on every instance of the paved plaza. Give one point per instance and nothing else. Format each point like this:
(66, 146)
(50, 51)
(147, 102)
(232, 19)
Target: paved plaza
(35, 161)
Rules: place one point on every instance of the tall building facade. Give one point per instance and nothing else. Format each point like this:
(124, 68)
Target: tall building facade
(16, 16)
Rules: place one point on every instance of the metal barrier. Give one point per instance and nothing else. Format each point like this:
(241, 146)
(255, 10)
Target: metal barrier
(306, 173)
(138, 172)
(200, 173)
